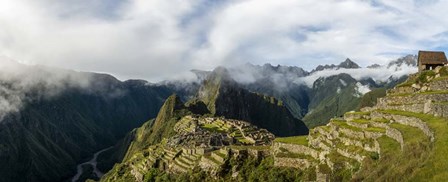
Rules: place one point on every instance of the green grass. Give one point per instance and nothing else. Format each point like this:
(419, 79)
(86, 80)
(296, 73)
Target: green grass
(288, 154)
(182, 161)
(244, 140)
(212, 159)
(361, 121)
(220, 154)
(344, 124)
(214, 128)
(435, 167)
(236, 134)
(435, 92)
(381, 120)
(299, 140)
(376, 129)
(420, 159)
(440, 78)
(181, 165)
(353, 149)
(358, 113)
(326, 128)
(259, 147)
(403, 104)
(406, 84)
(400, 95)
(388, 145)
(338, 158)
(410, 134)
(368, 141)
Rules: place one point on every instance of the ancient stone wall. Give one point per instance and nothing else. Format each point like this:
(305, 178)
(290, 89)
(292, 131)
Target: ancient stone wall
(439, 110)
(300, 149)
(396, 135)
(217, 157)
(358, 125)
(439, 85)
(401, 90)
(292, 162)
(347, 154)
(413, 99)
(414, 122)
(352, 116)
(351, 133)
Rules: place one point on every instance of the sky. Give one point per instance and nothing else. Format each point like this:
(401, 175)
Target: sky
(159, 39)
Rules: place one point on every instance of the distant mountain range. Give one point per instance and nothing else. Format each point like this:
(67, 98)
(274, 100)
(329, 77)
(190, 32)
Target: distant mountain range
(325, 92)
(53, 119)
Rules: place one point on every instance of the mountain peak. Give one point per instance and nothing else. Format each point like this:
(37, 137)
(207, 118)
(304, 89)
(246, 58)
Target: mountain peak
(349, 64)
(409, 60)
(219, 74)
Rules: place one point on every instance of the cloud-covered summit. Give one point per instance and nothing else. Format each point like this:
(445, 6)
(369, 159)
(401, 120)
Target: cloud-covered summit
(283, 76)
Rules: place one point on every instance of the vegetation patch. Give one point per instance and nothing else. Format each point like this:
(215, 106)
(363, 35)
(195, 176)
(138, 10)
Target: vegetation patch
(376, 129)
(294, 155)
(299, 140)
(420, 159)
(344, 124)
(361, 121)
(214, 128)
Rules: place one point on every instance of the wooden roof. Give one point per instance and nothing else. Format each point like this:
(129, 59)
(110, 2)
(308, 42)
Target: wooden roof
(432, 57)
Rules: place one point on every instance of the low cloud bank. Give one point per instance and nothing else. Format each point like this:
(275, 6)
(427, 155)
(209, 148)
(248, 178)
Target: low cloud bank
(283, 77)
(380, 74)
(19, 83)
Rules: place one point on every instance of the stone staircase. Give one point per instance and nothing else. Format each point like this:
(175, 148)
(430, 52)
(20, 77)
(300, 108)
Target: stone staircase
(185, 162)
(169, 154)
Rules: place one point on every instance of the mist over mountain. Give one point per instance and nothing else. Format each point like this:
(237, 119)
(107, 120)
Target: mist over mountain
(52, 119)
(282, 77)
(55, 118)
(297, 87)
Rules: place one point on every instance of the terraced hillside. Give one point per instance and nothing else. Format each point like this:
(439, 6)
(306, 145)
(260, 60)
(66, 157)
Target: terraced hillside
(403, 137)
(205, 143)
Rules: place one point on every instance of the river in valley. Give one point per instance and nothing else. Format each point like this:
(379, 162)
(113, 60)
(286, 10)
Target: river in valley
(93, 163)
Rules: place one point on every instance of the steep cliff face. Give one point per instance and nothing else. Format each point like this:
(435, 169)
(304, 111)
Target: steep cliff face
(49, 135)
(224, 97)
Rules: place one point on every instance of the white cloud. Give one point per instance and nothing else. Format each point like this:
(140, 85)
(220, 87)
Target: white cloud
(381, 74)
(20, 83)
(157, 39)
(361, 89)
(343, 82)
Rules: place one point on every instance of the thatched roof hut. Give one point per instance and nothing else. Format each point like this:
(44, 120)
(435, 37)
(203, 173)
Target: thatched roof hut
(428, 60)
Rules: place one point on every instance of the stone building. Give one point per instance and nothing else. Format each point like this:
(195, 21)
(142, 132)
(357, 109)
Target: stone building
(428, 60)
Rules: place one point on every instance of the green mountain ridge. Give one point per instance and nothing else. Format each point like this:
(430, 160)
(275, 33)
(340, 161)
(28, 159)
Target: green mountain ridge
(45, 140)
(224, 97)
